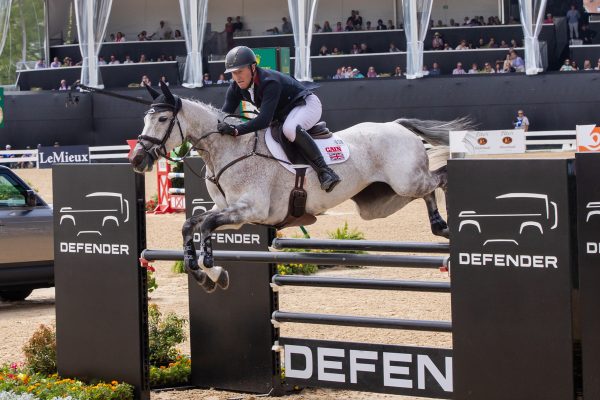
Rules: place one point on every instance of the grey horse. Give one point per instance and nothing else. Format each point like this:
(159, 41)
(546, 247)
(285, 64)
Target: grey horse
(388, 168)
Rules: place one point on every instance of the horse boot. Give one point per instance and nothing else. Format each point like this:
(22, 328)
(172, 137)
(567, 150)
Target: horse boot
(309, 149)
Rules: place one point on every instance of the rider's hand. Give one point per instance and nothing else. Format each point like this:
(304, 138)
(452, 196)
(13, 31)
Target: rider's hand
(226, 129)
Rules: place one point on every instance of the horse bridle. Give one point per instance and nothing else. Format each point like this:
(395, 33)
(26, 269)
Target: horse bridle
(158, 148)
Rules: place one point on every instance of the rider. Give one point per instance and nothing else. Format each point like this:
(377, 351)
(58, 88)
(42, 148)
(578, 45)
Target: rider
(280, 97)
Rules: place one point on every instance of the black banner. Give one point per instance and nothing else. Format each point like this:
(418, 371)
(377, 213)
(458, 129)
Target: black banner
(48, 156)
(231, 330)
(588, 232)
(99, 232)
(401, 370)
(512, 272)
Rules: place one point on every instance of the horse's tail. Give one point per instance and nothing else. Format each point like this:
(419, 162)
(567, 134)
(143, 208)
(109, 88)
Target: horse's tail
(436, 133)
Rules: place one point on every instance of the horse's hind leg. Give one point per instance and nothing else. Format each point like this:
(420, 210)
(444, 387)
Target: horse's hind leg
(190, 258)
(439, 227)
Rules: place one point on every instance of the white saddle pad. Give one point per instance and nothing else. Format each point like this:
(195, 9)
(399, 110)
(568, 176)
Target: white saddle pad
(334, 150)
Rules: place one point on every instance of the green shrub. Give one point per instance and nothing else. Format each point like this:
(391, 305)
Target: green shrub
(164, 334)
(175, 373)
(178, 267)
(345, 233)
(296, 269)
(40, 351)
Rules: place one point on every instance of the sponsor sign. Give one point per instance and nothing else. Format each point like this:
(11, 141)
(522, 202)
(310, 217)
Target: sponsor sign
(588, 138)
(401, 370)
(48, 156)
(588, 238)
(511, 141)
(100, 288)
(512, 270)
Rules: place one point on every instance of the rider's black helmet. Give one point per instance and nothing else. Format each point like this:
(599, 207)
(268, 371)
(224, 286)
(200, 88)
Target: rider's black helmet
(239, 57)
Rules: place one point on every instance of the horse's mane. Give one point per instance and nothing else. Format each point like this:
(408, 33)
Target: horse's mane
(213, 110)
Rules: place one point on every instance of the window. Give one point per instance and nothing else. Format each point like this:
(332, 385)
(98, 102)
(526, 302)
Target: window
(11, 192)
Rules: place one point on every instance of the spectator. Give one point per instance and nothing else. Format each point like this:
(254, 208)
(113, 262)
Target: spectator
(323, 51)
(55, 63)
(356, 20)
(587, 65)
(393, 48)
(491, 44)
(286, 26)
(111, 38)
(440, 24)
(63, 85)
(487, 69)
(164, 80)
(145, 81)
(339, 74)
(462, 45)
(597, 66)
(458, 70)
(507, 66)
(371, 73)
(437, 43)
(516, 62)
(67, 62)
(26, 164)
(348, 72)
(142, 58)
(574, 65)
(364, 49)
(127, 60)
(566, 67)
(336, 51)
(435, 70)
(587, 35)
(317, 29)
(238, 25)
(113, 60)
(573, 17)
(40, 64)
(120, 37)
(326, 27)
(356, 74)
(447, 46)
(355, 49)
(349, 27)
(101, 60)
(338, 27)
(380, 26)
(480, 44)
(142, 36)
(390, 25)
(503, 44)
(206, 79)
(398, 72)
(163, 32)
(521, 122)
(466, 21)
(368, 27)
(499, 67)
(549, 19)
(8, 147)
(474, 69)
(513, 43)
(425, 70)
(177, 35)
(229, 33)
(222, 80)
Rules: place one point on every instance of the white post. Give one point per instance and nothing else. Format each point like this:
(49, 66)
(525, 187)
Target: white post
(194, 53)
(302, 39)
(92, 59)
(414, 44)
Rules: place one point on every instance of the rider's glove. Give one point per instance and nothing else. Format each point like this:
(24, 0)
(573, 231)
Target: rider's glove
(226, 129)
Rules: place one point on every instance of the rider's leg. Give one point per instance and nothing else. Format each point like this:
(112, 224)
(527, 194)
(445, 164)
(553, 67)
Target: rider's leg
(298, 121)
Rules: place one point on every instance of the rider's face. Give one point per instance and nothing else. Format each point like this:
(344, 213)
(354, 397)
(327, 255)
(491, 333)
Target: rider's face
(243, 77)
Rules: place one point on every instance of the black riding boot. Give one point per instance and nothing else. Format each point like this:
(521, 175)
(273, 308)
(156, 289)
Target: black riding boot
(311, 152)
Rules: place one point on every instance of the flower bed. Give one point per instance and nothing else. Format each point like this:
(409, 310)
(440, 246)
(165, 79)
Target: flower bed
(175, 374)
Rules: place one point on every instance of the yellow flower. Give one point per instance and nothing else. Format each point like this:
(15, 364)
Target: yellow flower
(114, 383)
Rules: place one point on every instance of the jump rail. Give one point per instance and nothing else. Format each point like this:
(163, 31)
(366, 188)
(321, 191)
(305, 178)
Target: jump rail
(355, 283)
(367, 245)
(307, 258)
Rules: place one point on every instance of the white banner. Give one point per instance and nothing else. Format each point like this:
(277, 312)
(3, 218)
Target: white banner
(510, 141)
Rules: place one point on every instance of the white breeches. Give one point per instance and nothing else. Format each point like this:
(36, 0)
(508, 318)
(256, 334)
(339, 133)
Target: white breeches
(305, 115)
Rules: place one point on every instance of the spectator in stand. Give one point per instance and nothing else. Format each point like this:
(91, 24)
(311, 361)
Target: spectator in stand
(507, 66)
(491, 44)
(597, 66)
(398, 72)
(368, 26)
(574, 65)
(162, 58)
(549, 19)
(466, 21)
(425, 70)
(338, 27)
(317, 29)
(326, 27)
(435, 69)
(513, 43)
(145, 81)
(229, 33)
(339, 74)
(323, 51)
(521, 122)
(566, 67)
(177, 35)
(447, 46)
(356, 74)
(286, 26)
(474, 69)
(101, 61)
(503, 45)
(67, 62)
(349, 27)
(437, 43)
(206, 79)
(390, 25)
(380, 26)
(111, 38)
(462, 45)
(499, 67)
(55, 63)
(371, 73)
(487, 69)
(222, 80)
(113, 60)
(238, 25)
(347, 72)
(120, 37)
(8, 147)
(573, 17)
(364, 49)
(587, 35)
(516, 62)
(40, 64)
(142, 58)
(480, 44)
(127, 59)
(587, 65)
(459, 69)
(355, 49)
(336, 51)
(142, 36)
(356, 20)
(63, 85)
(440, 24)
(163, 32)
(393, 48)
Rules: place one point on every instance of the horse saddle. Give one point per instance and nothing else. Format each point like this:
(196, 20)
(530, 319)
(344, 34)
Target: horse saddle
(319, 131)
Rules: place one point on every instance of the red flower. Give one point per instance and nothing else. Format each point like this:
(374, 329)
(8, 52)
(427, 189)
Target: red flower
(151, 268)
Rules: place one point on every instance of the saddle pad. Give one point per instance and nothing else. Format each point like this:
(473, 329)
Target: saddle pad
(333, 149)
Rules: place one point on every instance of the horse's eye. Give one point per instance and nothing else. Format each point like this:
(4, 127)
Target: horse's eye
(162, 119)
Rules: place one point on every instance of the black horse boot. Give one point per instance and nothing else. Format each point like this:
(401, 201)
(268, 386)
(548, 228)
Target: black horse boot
(311, 152)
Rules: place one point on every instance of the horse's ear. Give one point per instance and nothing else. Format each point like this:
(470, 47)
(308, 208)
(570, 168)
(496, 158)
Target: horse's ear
(153, 93)
(168, 95)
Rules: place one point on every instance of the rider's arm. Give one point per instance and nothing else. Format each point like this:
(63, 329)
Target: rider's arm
(271, 94)
(232, 100)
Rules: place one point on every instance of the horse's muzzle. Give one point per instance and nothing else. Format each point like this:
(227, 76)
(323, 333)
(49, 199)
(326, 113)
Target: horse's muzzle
(140, 159)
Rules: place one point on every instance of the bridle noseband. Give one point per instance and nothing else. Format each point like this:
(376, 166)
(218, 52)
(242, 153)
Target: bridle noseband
(158, 148)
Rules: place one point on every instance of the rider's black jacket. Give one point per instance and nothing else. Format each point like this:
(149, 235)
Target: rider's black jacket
(275, 94)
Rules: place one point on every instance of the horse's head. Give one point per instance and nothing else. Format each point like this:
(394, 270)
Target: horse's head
(162, 131)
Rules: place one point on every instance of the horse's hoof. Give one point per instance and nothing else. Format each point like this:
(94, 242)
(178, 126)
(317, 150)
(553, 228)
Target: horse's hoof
(442, 232)
(209, 286)
(223, 281)
(208, 260)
